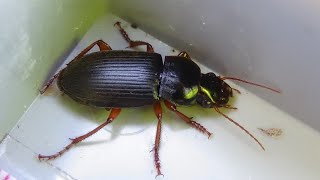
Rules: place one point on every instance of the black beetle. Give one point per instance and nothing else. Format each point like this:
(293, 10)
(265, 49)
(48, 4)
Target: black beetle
(119, 79)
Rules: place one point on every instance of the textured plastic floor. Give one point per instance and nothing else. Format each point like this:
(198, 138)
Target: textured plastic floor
(122, 149)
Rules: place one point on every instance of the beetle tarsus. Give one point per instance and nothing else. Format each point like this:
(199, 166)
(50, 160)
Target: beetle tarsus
(54, 156)
(132, 43)
(42, 157)
(200, 128)
(158, 112)
(192, 123)
(113, 114)
(157, 161)
(122, 31)
(44, 89)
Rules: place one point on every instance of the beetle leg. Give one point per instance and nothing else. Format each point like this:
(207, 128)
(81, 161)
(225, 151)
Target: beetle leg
(133, 43)
(140, 43)
(44, 89)
(158, 111)
(188, 120)
(103, 46)
(112, 116)
(184, 54)
(122, 31)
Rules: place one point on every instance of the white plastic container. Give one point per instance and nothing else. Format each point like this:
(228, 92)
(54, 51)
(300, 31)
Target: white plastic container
(244, 39)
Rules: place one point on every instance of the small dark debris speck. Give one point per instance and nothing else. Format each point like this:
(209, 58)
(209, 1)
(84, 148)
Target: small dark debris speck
(134, 25)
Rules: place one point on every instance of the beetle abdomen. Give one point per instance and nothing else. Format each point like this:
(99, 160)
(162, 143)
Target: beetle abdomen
(113, 79)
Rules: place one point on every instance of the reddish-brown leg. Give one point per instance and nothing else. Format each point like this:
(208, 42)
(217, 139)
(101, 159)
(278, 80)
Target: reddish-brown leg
(48, 84)
(113, 114)
(188, 120)
(184, 54)
(158, 112)
(133, 43)
(103, 46)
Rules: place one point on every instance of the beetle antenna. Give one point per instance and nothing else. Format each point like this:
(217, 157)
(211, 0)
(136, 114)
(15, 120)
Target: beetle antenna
(237, 124)
(252, 83)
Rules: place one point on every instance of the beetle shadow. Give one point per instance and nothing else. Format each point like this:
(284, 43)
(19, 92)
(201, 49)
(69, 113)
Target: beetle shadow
(133, 121)
(130, 121)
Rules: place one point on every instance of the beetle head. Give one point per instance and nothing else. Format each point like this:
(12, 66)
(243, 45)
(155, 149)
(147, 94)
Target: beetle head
(213, 91)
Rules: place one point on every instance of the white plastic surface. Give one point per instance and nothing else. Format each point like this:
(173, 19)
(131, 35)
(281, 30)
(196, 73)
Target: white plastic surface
(122, 149)
(33, 36)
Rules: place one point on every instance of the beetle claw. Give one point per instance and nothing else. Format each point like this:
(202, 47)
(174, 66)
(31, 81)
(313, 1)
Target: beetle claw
(46, 158)
(159, 175)
(117, 23)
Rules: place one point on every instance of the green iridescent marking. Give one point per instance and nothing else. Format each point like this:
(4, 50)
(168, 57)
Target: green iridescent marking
(206, 91)
(155, 94)
(191, 92)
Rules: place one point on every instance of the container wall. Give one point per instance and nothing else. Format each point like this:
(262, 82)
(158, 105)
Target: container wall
(34, 35)
(271, 42)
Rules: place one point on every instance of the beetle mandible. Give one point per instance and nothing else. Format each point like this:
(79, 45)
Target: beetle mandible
(123, 79)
